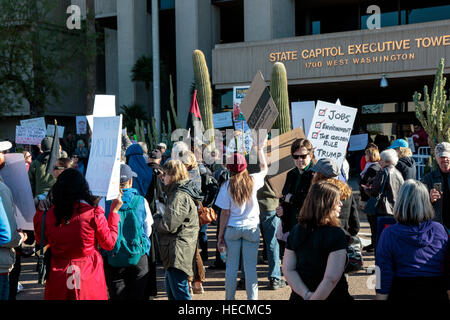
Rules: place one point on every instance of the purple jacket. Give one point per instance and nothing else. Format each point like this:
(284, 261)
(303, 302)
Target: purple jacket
(411, 251)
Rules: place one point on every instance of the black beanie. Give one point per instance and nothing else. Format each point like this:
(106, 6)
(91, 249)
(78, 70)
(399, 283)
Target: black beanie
(46, 144)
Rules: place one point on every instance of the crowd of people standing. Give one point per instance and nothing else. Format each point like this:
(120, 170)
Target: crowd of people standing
(112, 251)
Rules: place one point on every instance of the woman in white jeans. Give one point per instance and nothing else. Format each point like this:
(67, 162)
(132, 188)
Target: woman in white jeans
(239, 222)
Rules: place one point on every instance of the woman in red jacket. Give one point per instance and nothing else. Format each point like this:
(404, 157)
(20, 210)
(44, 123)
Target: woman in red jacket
(75, 227)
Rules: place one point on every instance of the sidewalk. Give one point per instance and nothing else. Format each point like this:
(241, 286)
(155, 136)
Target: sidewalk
(215, 279)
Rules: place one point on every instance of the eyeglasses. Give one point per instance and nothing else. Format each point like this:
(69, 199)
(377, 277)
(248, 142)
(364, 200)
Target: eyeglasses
(303, 156)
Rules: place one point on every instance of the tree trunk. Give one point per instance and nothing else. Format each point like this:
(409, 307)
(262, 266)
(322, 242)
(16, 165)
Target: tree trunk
(37, 107)
(91, 68)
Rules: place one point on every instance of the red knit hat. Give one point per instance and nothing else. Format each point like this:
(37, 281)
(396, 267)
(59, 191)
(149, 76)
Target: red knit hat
(236, 163)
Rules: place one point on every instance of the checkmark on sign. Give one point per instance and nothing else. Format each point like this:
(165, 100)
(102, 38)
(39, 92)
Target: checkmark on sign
(315, 135)
(322, 112)
(319, 124)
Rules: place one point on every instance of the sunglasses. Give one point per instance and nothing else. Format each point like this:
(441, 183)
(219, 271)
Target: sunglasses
(303, 156)
(58, 168)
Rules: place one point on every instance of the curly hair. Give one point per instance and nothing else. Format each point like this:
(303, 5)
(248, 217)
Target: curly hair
(344, 188)
(70, 188)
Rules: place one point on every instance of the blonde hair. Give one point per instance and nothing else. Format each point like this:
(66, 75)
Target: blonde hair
(189, 160)
(373, 154)
(404, 152)
(241, 187)
(176, 169)
(413, 205)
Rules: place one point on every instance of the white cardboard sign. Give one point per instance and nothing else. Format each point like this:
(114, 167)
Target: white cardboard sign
(15, 176)
(103, 171)
(104, 106)
(51, 131)
(29, 135)
(330, 130)
(35, 122)
(81, 124)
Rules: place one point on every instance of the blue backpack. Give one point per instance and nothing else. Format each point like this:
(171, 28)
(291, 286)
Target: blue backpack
(131, 244)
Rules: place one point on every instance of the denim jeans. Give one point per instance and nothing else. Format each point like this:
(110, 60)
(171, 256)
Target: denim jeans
(177, 286)
(4, 287)
(247, 239)
(269, 223)
(203, 242)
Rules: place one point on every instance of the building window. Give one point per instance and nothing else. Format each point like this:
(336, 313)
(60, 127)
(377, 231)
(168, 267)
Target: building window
(419, 15)
(231, 20)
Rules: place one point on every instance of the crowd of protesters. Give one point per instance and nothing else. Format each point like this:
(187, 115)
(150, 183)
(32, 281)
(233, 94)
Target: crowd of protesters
(111, 251)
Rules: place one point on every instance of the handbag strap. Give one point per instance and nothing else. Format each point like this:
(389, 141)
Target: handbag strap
(41, 251)
(380, 194)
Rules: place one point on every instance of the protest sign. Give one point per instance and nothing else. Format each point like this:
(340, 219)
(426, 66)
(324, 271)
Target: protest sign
(15, 176)
(280, 159)
(35, 122)
(302, 114)
(51, 131)
(103, 170)
(104, 106)
(258, 106)
(241, 125)
(238, 95)
(29, 135)
(81, 124)
(223, 119)
(330, 130)
(358, 142)
(411, 144)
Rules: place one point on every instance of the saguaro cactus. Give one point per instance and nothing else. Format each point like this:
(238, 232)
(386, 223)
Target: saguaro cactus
(279, 92)
(203, 86)
(436, 122)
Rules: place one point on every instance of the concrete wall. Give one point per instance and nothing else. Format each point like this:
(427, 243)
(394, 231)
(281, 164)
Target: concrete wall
(268, 19)
(245, 59)
(111, 63)
(196, 28)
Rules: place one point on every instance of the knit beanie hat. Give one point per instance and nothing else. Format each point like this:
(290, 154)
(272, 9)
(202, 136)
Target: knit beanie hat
(236, 163)
(46, 144)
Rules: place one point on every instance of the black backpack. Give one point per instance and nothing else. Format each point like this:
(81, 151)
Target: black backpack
(210, 189)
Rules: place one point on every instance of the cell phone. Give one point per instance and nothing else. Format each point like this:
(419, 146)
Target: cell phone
(437, 186)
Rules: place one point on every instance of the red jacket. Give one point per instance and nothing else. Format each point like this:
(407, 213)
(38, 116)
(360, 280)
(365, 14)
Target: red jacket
(76, 264)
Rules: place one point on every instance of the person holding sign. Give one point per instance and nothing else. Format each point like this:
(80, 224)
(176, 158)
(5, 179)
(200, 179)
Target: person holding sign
(297, 184)
(41, 181)
(75, 226)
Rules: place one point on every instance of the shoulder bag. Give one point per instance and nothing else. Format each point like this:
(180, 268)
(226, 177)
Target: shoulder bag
(372, 203)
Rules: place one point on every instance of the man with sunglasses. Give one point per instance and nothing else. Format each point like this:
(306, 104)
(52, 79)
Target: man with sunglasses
(296, 187)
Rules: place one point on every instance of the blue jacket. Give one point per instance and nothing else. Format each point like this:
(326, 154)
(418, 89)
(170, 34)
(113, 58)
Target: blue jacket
(411, 251)
(5, 228)
(127, 198)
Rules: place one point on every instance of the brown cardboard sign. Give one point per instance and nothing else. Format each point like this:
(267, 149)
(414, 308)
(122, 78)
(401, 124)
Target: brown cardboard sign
(279, 156)
(258, 106)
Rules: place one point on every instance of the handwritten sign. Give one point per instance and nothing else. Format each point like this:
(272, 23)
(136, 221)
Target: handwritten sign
(29, 135)
(330, 130)
(258, 106)
(103, 171)
(358, 142)
(104, 106)
(51, 131)
(238, 95)
(35, 122)
(15, 176)
(222, 120)
(81, 124)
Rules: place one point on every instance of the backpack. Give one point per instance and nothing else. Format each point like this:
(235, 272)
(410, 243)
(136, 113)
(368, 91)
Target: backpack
(131, 244)
(210, 189)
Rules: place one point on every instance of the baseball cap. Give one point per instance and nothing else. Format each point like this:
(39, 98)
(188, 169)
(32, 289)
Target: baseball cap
(238, 164)
(126, 173)
(399, 143)
(162, 145)
(327, 167)
(442, 150)
(5, 145)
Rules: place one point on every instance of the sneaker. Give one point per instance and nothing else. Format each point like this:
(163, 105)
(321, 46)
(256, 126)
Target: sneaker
(369, 248)
(276, 284)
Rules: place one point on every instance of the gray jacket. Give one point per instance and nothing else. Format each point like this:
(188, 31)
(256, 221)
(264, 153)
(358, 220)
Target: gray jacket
(391, 189)
(7, 253)
(429, 179)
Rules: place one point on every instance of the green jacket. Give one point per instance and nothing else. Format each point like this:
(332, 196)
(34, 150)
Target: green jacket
(41, 182)
(267, 199)
(179, 226)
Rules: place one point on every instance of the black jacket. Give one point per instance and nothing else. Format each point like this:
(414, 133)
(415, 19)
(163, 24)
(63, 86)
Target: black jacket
(298, 185)
(367, 179)
(349, 216)
(407, 167)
